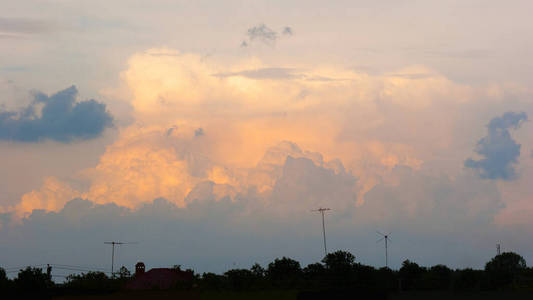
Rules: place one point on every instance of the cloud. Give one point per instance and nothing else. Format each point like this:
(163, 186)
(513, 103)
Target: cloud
(199, 132)
(310, 185)
(61, 119)
(278, 73)
(286, 31)
(262, 33)
(498, 149)
(253, 126)
(20, 27)
(265, 35)
(212, 232)
(263, 73)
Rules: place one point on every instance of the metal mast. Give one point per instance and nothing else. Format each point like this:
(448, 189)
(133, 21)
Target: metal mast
(386, 238)
(322, 211)
(113, 243)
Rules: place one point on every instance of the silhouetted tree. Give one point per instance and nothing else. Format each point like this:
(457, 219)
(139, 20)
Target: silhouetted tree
(505, 268)
(259, 274)
(364, 276)
(410, 274)
(438, 277)
(257, 270)
(386, 279)
(284, 272)
(240, 278)
(339, 267)
(32, 280)
(212, 281)
(314, 272)
(124, 273)
(90, 282)
(339, 262)
(468, 279)
(4, 281)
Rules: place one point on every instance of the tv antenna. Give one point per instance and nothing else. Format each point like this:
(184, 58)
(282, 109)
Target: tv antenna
(322, 211)
(113, 243)
(386, 238)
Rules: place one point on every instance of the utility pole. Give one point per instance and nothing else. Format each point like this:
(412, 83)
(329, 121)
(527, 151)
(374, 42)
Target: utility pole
(322, 211)
(498, 249)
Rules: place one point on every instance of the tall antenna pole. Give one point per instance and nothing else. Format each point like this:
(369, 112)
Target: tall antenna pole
(498, 249)
(322, 211)
(112, 258)
(386, 238)
(386, 252)
(113, 243)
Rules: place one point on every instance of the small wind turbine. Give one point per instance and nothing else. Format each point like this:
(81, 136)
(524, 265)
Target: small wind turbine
(113, 243)
(386, 238)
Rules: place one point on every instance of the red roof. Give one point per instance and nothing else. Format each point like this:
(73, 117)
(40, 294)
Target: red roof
(158, 278)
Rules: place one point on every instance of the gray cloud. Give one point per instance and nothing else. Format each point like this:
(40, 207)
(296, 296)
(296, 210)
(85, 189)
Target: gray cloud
(61, 119)
(308, 184)
(287, 31)
(498, 149)
(171, 130)
(15, 27)
(263, 73)
(427, 211)
(276, 73)
(199, 132)
(264, 34)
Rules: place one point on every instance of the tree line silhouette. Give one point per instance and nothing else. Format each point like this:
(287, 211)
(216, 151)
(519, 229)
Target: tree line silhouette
(337, 271)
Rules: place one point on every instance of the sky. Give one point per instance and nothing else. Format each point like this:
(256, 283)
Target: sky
(207, 132)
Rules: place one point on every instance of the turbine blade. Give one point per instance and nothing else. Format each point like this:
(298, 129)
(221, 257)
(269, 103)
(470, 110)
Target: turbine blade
(380, 233)
(381, 239)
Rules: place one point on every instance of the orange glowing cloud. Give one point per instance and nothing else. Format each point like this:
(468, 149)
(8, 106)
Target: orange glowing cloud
(200, 120)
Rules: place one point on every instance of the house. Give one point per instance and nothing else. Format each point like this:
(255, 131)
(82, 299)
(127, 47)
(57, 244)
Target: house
(158, 278)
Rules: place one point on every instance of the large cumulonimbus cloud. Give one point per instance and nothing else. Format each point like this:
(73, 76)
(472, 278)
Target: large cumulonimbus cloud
(498, 149)
(61, 119)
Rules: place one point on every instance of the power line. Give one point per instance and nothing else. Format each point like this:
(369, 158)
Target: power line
(79, 267)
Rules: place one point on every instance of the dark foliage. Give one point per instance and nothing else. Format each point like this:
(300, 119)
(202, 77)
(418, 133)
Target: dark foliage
(284, 272)
(504, 269)
(32, 280)
(338, 273)
(91, 282)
